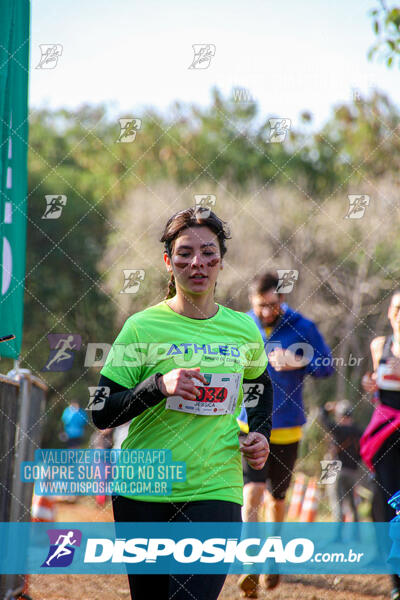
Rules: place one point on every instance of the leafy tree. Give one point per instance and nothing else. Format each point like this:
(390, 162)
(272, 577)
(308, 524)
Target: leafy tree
(386, 25)
(280, 198)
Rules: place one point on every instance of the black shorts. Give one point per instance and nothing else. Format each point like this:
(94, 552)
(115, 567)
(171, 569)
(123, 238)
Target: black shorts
(175, 587)
(277, 471)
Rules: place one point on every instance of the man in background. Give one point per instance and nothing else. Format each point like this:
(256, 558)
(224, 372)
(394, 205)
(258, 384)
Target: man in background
(295, 349)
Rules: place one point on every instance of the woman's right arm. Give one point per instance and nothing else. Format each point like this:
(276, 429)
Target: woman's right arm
(122, 404)
(369, 379)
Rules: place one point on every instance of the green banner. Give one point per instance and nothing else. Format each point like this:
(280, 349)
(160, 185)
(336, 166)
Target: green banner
(14, 69)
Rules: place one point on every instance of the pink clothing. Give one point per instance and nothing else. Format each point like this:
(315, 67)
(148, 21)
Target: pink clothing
(385, 420)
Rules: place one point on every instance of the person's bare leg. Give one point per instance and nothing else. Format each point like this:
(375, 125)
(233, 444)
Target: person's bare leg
(274, 509)
(253, 494)
(274, 513)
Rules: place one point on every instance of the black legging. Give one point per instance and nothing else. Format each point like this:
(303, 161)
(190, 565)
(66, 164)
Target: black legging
(175, 587)
(386, 463)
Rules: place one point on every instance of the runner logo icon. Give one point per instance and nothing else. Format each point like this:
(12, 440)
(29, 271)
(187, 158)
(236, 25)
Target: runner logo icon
(62, 547)
(279, 129)
(129, 128)
(252, 394)
(205, 203)
(329, 470)
(203, 54)
(98, 397)
(62, 348)
(287, 279)
(50, 53)
(133, 279)
(357, 206)
(54, 205)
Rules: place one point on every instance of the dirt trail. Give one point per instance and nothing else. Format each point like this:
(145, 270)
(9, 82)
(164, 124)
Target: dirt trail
(115, 587)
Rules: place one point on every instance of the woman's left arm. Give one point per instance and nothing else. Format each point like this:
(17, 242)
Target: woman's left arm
(259, 414)
(255, 447)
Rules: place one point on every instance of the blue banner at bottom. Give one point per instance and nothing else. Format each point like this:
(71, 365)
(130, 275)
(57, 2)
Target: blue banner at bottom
(105, 548)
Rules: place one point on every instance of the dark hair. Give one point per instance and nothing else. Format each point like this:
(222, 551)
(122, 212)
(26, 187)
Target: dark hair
(192, 217)
(264, 283)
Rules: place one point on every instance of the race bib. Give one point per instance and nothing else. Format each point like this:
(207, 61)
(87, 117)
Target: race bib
(386, 379)
(218, 397)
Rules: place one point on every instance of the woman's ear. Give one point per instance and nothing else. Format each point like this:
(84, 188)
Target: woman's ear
(167, 262)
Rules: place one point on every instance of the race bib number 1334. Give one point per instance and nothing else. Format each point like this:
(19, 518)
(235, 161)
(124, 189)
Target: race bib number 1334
(218, 397)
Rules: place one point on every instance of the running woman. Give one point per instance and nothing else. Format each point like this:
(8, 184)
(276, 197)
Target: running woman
(194, 337)
(380, 444)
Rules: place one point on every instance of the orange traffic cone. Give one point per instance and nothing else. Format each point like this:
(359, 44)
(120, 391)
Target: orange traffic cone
(25, 589)
(297, 496)
(43, 509)
(310, 503)
(101, 500)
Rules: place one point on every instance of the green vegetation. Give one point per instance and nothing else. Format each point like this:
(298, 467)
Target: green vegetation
(286, 204)
(386, 26)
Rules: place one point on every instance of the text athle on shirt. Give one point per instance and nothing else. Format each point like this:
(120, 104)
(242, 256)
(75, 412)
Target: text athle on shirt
(158, 340)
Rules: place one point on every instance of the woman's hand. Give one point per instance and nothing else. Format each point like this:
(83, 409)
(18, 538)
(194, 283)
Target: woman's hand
(181, 382)
(368, 383)
(255, 449)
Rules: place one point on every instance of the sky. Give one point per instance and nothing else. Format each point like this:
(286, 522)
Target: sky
(291, 56)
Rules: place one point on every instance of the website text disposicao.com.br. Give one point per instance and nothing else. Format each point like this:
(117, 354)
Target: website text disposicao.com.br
(90, 488)
(190, 355)
(212, 551)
